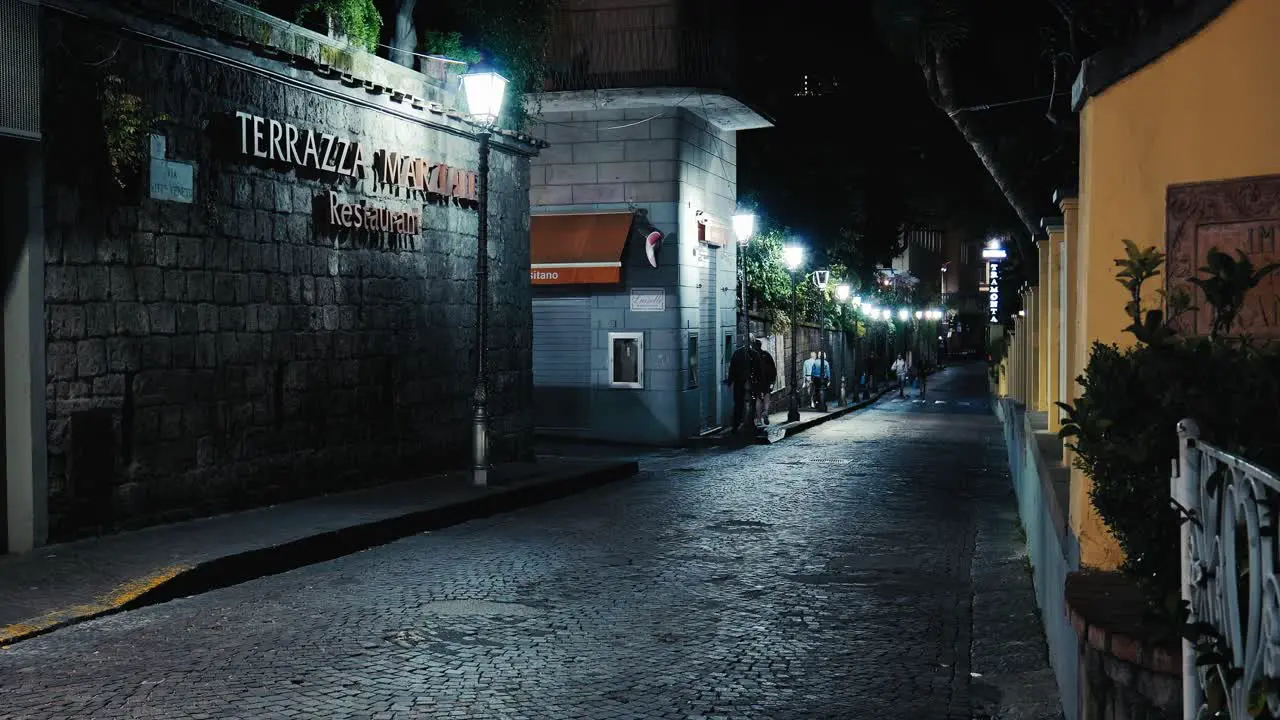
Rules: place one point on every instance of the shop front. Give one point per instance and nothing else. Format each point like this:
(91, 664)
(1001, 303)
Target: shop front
(633, 327)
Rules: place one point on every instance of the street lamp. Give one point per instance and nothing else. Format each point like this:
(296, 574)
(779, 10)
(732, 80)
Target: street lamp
(744, 226)
(485, 91)
(842, 294)
(904, 314)
(793, 257)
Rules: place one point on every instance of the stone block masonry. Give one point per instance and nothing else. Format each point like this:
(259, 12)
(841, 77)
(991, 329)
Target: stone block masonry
(236, 351)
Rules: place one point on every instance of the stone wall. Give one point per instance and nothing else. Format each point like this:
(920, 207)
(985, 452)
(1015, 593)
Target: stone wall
(231, 352)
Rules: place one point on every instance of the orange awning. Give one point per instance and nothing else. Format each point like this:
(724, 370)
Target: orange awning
(577, 249)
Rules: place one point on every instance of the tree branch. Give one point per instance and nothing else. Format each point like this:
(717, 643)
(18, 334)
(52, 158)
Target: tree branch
(938, 78)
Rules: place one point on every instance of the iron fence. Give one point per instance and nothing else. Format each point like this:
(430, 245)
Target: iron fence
(1229, 553)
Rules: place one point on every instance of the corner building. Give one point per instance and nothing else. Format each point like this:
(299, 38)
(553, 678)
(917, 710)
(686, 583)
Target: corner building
(634, 264)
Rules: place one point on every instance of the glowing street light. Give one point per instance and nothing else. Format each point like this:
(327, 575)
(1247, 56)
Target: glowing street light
(744, 226)
(485, 91)
(842, 292)
(904, 314)
(919, 314)
(793, 256)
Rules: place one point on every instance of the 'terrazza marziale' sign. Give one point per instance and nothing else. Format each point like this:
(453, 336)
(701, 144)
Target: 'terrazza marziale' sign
(285, 143)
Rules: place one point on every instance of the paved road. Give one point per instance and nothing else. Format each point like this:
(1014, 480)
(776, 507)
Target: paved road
(827, 576)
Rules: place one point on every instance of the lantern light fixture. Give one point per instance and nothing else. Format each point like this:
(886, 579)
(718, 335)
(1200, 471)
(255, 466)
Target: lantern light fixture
(793, 256)
(744, 226)
(485, 90)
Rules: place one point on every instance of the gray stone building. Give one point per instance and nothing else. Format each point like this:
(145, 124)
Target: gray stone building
(254, 278)
(635, 267)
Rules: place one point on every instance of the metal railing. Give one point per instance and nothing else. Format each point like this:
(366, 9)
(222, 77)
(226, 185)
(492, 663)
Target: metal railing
(1229, 577)
(587, 57)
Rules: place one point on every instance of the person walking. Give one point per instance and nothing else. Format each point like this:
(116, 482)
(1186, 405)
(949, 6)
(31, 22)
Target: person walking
(813, 376)
(739, 376)
(922, 372)
(764, 375)
(900, 368)
(823, 368)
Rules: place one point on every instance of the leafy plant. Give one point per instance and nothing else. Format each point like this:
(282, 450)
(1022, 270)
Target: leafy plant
(125, 124)
(1121, 429)
(1226, 283)
(358, 20)
(513, 35)
(449, 45)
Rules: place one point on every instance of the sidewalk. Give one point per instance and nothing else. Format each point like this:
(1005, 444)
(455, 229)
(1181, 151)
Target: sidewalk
(779, 428)
(58, 585)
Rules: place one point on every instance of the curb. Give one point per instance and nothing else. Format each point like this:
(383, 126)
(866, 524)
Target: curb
(736, 441)
(814, 422)
(242, 567)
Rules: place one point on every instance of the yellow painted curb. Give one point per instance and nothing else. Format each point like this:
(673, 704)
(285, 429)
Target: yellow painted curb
(113, 600)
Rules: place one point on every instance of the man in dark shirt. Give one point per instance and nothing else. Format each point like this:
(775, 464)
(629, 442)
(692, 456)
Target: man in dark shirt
(764, 374)
(739, 375)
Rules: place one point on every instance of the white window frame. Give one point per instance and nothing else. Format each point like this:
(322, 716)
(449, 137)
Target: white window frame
(639, 338)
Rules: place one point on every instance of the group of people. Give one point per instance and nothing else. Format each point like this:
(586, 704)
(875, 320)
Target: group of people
(752, 374)
(906, 372)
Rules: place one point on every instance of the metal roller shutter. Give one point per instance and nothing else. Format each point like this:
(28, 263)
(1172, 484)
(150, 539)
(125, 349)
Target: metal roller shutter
(20, 69)
(562, 362)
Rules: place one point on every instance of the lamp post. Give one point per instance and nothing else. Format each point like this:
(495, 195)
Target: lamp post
(820, 278)
(744, 226)
(842, 294)
(793, 257)
(485, 91)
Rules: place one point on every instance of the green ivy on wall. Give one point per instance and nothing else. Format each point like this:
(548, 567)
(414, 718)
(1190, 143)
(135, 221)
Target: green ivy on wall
(358, 20)
(126, 125)
(448, 45)
(513, 36)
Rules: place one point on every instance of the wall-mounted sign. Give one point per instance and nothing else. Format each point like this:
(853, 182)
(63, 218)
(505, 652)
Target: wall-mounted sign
(158, 147)
(702, 254)
(284, 142)
(353, 216)
(173, 181)
(1232, 216)
(652, 244)
(648, 300)
(993, 296)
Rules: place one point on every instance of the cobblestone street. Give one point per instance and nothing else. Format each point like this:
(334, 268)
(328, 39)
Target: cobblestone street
(826, 576)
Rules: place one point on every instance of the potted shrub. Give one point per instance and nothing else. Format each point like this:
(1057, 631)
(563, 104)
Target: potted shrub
(1122, 427)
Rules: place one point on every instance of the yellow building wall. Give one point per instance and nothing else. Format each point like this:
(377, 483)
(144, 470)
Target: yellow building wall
(1206, 110)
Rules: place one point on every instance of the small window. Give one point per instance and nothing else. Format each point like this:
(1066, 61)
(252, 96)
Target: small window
(626, 360)
(692, 363)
